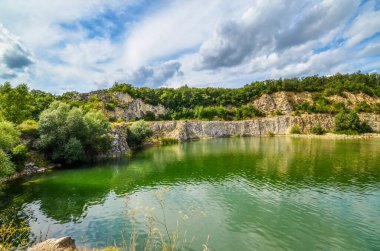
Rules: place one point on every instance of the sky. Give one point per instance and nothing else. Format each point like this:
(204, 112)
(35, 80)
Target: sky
(84, 45)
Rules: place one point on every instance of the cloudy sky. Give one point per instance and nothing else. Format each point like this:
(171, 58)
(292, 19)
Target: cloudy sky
(62, 45)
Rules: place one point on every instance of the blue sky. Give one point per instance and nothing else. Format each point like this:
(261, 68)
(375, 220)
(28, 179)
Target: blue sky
(64, 45)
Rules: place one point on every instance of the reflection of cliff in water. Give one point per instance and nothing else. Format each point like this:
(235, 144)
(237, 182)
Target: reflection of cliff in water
(65, 195)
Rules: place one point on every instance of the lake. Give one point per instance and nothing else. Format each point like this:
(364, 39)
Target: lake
(258, 193)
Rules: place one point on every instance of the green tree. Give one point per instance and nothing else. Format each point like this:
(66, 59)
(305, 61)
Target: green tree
(8, 137)
(15, 103)
(138, 132)
(69, 135)
(349, 122)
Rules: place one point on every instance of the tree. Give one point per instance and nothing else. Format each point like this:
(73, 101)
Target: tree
(138, 132)
(8, 137)
(15, 103)
(69, 135)
(349, 122)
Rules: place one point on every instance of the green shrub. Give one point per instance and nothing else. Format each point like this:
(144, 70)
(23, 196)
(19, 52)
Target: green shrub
(295, 130)
(19, 155)
(350, 122)
(70, 135)
(169, 141)
(270, 134)
(362, 107)
(110, 106)
(318, 130)
(28, 127)
(9, 135)
(138, 132)
(6, 166)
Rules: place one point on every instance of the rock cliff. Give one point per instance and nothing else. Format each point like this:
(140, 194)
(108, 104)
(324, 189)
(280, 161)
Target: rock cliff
(188, 130)
(283, 101)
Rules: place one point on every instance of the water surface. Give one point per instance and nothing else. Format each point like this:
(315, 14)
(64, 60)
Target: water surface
(265, 193)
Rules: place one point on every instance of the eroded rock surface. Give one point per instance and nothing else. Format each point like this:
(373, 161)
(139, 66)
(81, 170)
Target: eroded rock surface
(61, 244)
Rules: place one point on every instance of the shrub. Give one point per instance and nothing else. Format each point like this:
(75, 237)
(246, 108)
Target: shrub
(318, 130)
(6, 166)
(349, 122)
(295, 130)
(28, 127)
(69, 135)
(169, 141)
(19, 155)
(270, 134)
(138, 132)
(9, 135)
(110, 106)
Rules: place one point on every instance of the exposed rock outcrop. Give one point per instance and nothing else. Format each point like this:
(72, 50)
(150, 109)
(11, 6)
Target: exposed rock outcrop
(283, 101)
(188, 130)
(138, 109)
(119, 133)
(61, 244)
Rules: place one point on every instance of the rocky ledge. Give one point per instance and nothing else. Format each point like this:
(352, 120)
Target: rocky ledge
(189, 130)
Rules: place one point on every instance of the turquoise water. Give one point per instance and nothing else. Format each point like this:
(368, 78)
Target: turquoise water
(265, 193)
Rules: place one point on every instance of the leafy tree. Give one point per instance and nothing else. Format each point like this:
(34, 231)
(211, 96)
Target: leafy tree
(8, 137)
(349, 122)
(138, 132)
(19, 155)
(69, 135)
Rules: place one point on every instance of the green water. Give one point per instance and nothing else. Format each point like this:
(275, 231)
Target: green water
(266, 193)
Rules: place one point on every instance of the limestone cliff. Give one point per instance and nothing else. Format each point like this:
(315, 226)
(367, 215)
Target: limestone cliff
(188, 130)
(283, 101)
(117, 105)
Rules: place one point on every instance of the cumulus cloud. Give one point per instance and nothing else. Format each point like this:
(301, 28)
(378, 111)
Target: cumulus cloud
(269, 27)
(156, 76)
(14, 57)
(171, 43)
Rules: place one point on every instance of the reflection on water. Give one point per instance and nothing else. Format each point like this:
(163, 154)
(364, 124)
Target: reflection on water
(258, 193)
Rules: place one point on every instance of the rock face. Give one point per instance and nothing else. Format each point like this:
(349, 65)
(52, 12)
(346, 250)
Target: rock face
(283, 101)
(126, 107)
(119, 133)
(138, 109)
(188, 130)
(61, 244)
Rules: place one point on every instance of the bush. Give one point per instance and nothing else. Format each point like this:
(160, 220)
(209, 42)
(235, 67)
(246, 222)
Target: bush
(318, 130)
(169, 141)
(6, 166)
(69, 135)
(9, 135)
(295, 130)
(28, 127)
(19, 155)
(350, 122)
(138, 132)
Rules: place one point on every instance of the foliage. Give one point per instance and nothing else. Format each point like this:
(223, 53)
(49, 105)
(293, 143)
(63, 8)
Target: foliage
(349, 122)
(13, 237)
(19, 155)
(168, 141)
(6, 166)
(18, 104)
(318, 130)
(138, 132)
(9, 135)
(28, 127)
(70, 135)
(295, 130)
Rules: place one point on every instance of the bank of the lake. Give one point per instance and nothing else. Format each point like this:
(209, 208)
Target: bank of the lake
(263, 193)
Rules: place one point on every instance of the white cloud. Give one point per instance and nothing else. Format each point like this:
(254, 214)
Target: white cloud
(14, 57)
(194, 42)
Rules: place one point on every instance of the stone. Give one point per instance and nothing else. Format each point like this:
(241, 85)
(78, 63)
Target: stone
(62, 244)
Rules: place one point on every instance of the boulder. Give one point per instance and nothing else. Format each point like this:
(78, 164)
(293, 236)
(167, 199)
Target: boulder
(62, 244)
